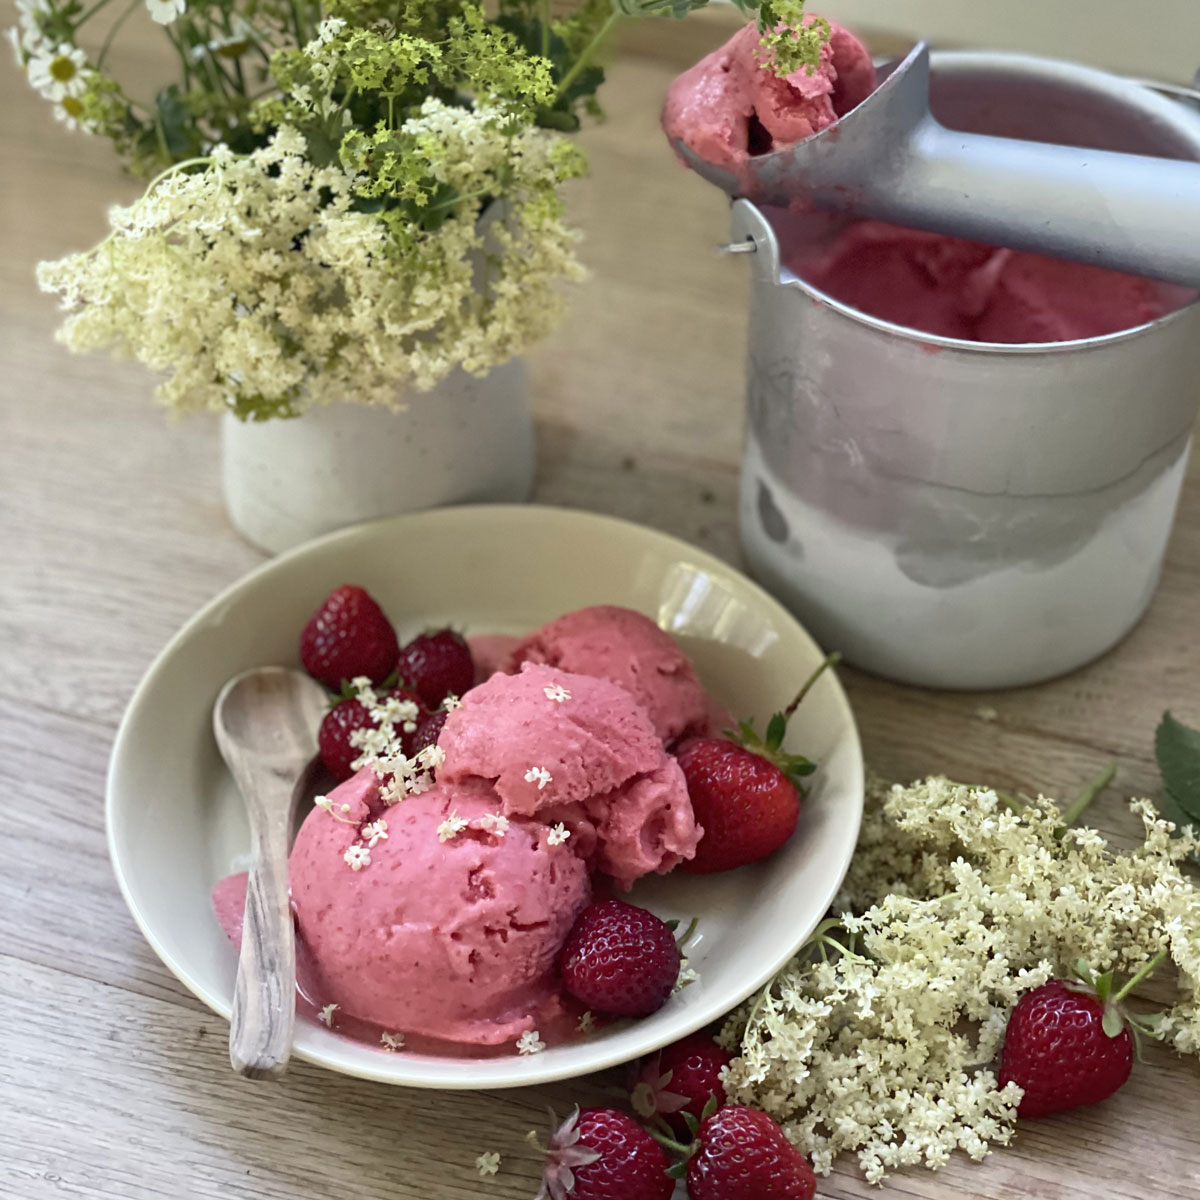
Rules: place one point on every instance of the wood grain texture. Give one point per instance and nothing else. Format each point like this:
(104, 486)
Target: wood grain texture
(114, 1081)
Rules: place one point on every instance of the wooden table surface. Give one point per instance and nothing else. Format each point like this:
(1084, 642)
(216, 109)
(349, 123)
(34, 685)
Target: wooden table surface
(114, 1081)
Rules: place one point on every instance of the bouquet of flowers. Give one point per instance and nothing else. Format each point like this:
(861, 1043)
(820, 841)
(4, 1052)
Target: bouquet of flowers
(345, 198)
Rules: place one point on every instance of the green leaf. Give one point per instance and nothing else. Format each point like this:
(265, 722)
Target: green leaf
(176, 124)
(1112, 1023)
(677, 1170)
(710, 1107)
(1177, 748)
(1172, 812)
(690, 1121)
(776, 728)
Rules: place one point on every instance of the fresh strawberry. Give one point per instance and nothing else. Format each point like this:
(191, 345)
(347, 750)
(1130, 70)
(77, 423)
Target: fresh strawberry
(346, 637)
(742, 1154)
(604, 1154)
(681, 1078)
(437, 665)
(1066, 1045)
(427, 732)
(745, 792)
(333, 738)
(620, 960)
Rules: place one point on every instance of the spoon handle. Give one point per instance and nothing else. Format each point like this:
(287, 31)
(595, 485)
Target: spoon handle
(1125, 212)
(264, 999)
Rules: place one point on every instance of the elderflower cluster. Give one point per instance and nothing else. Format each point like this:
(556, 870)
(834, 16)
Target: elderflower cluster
(954, 906)
(259, 288)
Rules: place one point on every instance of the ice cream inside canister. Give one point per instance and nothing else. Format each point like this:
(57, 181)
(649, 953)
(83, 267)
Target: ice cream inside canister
(728, 108)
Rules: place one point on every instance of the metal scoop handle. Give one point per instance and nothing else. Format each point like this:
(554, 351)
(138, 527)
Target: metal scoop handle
(890, 159)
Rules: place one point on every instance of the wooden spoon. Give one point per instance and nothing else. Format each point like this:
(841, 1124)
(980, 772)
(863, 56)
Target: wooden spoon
(265, 721)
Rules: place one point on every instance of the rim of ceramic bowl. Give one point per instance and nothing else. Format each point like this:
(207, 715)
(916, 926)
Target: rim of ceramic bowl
(391, 1068)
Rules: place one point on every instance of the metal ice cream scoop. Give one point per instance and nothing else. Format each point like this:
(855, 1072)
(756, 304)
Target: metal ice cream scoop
(890, 159)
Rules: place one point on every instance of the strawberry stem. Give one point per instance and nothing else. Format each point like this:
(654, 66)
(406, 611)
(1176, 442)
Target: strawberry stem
(831, 661)
(670, 1143)
(1087, 797)
(687, 933)
(1148, 969)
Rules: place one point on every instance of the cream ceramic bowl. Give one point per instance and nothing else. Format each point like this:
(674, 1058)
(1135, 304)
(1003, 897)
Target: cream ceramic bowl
(176, 824)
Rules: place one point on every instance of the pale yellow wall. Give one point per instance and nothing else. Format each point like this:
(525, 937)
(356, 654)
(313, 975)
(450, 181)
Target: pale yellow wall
(1141, 37)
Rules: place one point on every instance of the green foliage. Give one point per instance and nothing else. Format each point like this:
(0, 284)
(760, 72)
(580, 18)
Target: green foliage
(1177, 748)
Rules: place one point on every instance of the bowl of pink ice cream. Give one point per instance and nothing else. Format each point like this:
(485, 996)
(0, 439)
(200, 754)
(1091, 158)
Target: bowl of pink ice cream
(428, 931)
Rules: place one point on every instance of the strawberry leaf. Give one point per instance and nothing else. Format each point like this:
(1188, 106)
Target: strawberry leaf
(776, 728)
(690, 1121)
(1112, 1023)
(677, 1170)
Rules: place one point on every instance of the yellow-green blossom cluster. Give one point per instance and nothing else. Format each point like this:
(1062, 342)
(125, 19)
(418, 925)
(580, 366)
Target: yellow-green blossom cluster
(257, 286)
(953, 907)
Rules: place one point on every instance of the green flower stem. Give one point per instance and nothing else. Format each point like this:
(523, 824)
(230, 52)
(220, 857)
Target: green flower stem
(586, 55)
(831, 661)
(1087, 797)
(1013, 806)
(301, 37)
(670, 1143)
(1144, 973)
(183, 58)
(91, 12)
(114, 30)
(545, 23)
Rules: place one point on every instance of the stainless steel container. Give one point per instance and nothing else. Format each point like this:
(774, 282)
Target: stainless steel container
(961, 514)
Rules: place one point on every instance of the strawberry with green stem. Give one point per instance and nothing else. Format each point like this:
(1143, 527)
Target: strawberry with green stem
(739, 1153)
(1070, 1042)
(746, 789)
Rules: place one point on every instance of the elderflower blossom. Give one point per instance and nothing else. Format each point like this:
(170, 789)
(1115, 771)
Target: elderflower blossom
(953, 907)
(257, 287)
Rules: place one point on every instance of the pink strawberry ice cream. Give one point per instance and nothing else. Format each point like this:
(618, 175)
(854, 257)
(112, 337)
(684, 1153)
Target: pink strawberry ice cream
(453, 938)
(728, 107)
(630, 650)
(580, 750)
(962, 289)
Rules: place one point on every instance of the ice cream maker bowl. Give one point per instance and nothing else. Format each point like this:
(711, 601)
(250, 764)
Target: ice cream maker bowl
(959, 514)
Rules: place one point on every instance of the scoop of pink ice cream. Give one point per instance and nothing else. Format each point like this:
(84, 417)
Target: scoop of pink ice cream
(490, 652)
(645, 826)
(580, 750)
(627, 649)
(454, 938)
(729, 106)
(546, 737)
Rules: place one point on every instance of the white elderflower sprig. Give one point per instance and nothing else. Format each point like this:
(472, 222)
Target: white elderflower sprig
(373, 832)
(357, 857)
(954, 906)
(487, 1164)
(493, 823)
(540, 776)
(558, 834)
(530, 1042)
(391, 1042)
(255, 283)
(451, 827)
(556, 692)
(325, 1016)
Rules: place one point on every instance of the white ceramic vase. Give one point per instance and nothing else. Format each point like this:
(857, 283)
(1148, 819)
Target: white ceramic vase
(467, 439)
